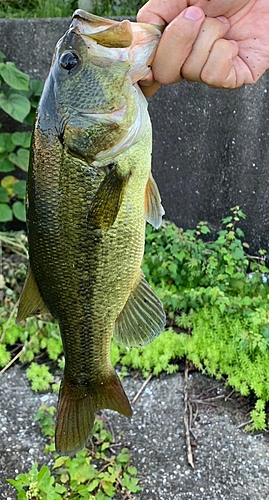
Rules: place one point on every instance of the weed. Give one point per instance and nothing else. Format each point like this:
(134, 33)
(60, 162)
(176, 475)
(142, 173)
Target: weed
(94, 473)
(39, 8)
(117, 8)
(18, 98)
(216, 298)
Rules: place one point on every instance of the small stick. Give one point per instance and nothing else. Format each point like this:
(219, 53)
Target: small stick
(141, 389)
(220, 396)
(126, 493)
(229, 395)
(210, 389)
(244, 424)
(186, 418)
(203, 402)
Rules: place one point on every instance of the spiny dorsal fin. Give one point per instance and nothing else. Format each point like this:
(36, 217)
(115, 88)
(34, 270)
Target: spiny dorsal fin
(153, 207)
(142, 318)
(31, 302)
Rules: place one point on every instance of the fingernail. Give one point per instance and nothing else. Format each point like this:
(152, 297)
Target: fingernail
(193, 13)
(223, 19)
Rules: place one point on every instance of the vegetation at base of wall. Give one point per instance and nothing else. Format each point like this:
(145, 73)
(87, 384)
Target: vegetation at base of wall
(96, 472)
(117, 8)
(37, 8)
(216, 299)
(65, 8)
(19, 97)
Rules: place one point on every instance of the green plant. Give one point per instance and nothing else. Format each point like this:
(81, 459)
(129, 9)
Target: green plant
(188, 272)
(94, 473)
(39, 8)
(18, 98)
(116, 8)
(217, 302)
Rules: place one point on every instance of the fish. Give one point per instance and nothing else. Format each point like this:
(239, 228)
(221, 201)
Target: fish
(90, 192)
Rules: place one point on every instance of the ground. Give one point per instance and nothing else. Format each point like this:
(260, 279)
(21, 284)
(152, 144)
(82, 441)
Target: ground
(228, 462)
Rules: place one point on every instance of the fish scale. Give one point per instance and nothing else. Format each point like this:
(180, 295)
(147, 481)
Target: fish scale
(90, 191)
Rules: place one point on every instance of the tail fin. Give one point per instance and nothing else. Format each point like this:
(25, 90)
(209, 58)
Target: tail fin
(77, 406)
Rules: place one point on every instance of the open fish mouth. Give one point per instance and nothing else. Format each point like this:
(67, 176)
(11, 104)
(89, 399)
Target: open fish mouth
(107, 32)
(122, 39)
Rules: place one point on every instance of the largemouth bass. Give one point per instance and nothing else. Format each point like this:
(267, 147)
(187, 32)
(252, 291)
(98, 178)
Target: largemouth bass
(90, 191)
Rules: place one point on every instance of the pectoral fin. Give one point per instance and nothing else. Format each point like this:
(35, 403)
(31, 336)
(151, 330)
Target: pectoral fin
(153, 207)
(142, 318)
(31, 302)
(107, 201)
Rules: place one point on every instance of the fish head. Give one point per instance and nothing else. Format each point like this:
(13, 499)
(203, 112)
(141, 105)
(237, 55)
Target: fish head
(94, 73)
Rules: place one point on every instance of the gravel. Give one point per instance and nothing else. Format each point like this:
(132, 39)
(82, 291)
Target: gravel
(228, 462)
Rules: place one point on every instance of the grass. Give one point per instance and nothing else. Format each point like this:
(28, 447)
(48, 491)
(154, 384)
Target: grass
(64, 8)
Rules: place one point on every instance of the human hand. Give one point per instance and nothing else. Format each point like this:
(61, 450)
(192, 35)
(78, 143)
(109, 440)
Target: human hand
(228, 49)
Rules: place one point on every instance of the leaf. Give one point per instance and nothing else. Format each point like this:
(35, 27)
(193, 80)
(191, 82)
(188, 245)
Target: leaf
(6, 214)
(227, 220)
(108, 487)
(6, 166)
(6, 143)
(3, 195)
(123, 457)
(59, 462)
(15, 105)
(5, 356)
(132, 470)
(20, 158)
(93, 484)
(21, 139)
(15, 78)
(8, 183)
(19, 210)
(205, 230)
(20, 188)
(265, 332)
(238, 253)
(36, 87)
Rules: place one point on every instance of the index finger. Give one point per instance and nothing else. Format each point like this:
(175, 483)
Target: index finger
(159, 12)
(164, 11)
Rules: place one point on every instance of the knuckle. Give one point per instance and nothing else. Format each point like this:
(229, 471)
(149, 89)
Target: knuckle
(213, 27)
(219, 64)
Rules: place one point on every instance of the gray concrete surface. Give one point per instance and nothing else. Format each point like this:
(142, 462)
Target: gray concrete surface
(210, 149)
(229, 464)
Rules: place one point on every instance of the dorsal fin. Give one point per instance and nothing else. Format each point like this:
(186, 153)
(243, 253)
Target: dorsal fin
(153, 207)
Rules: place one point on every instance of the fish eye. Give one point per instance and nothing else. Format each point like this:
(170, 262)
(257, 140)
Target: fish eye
(69, 60)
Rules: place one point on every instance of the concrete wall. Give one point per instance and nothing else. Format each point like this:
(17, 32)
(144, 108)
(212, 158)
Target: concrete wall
(210, 149)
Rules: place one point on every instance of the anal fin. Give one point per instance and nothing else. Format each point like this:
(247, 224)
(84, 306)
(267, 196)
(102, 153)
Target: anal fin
(31, 302)
(153, 207)
(142, 318)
